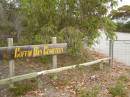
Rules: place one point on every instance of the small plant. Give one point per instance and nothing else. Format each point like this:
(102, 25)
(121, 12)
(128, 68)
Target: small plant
(118, 89)
(95, 67)
(65, 82)
(22, 88)
(90, 93)
(123, 78)
(80, 68)
(45, 59)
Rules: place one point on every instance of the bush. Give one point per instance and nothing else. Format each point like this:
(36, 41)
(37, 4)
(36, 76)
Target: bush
(73, 37)
(123, 27)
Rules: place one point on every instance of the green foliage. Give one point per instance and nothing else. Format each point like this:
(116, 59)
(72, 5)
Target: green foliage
(8, 15)
(123, 27)
(45, 59)
(110, 27)
(122, 12)
(23, 88)
(20, 90)
(73, 37)
(119, 89)
(90, 93)
(123, 78)
(120, 27)
(68, 20)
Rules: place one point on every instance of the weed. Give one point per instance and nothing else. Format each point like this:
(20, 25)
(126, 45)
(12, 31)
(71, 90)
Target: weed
(65, 82)
(118, 89)
(45, 59)
(80, 68)
(95, 67)
(123, 78)
(22, 88)
(90, 93)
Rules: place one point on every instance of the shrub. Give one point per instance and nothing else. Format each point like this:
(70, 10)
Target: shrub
(73, 37)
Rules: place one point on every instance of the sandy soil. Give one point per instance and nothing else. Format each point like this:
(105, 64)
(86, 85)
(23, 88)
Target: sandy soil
(68, 83)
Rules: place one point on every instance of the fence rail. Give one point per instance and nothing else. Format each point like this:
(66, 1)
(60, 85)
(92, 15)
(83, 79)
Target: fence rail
(36, 74)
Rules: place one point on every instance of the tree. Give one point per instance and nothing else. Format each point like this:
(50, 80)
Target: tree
(9, 18)
(5, 25)
(122, 12)
(121, 16)
(47, 18)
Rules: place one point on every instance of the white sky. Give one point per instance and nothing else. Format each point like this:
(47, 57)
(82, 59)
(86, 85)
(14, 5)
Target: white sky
(124, 2)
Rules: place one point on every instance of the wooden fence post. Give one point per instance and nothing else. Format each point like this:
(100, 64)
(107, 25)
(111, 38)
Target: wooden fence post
(11, 62)
(111, 47)
(44, 72)
(54, 58)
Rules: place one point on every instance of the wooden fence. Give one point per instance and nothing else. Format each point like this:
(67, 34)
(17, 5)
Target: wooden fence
(15, 52)
(56, 70)
(34, 51)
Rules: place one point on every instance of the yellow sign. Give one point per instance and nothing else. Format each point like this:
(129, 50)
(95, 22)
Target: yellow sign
(20, 53)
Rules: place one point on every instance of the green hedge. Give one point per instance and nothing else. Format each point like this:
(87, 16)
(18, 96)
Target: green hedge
(123, 27)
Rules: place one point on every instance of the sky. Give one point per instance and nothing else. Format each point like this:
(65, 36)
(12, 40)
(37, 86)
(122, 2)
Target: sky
(124, 2)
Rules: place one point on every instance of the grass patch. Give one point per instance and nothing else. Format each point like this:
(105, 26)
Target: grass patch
(23, 87)
(95, 67)
(119, 89)
(123, 78)
(90, 93)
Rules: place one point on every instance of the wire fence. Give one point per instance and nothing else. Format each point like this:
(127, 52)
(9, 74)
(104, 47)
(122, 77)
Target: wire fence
(118, 50)
(121, 51)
